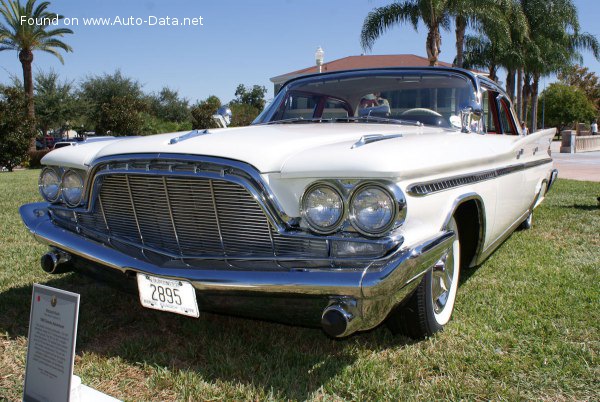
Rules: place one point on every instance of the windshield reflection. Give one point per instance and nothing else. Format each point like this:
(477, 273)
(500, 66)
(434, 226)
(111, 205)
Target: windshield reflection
(394, 97)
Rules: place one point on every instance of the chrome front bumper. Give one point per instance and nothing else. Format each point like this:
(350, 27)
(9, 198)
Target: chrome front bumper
(302, 296)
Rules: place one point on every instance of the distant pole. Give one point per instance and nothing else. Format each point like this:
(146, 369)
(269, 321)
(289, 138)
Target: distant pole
(319, 55)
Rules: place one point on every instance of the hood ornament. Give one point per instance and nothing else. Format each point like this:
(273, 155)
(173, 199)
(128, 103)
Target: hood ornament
(369, 138)
(191, 134)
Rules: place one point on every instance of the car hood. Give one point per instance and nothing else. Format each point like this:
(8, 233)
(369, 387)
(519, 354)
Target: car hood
(299, 149)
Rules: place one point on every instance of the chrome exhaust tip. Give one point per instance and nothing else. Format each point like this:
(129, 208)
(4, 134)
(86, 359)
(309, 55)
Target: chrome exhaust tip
(336, 321)
(55, 262)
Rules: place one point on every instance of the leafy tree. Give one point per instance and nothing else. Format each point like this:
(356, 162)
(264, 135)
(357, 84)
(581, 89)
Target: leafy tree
(584, 79)
(55, 102)
(254, 97)
(243, 114)
(154, 125)
(121, 116)
(565, 105)
(168, 106)
(203, 111)
(435, 14)
(113, 103)
(33, 34)
(15, 127)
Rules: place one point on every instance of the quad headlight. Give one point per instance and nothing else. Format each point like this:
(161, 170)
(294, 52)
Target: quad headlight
(59, 185)
(49, 184)
(372, 210)
(72, 188)
(323, 207)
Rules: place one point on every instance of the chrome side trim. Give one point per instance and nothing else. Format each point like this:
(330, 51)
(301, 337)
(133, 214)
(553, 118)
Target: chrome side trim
(434, 186)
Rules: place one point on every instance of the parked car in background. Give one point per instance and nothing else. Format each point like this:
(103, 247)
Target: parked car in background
(355, 198)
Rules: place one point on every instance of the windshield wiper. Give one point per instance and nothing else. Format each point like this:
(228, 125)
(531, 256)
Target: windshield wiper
(379, 120)
(299, 120)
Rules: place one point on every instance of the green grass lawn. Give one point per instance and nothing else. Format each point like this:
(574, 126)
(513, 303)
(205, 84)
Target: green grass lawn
(525, 326)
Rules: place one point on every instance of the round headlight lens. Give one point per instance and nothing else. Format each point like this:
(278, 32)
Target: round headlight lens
(323, 208)
(49, 184)
(72, 188)
(372, 210)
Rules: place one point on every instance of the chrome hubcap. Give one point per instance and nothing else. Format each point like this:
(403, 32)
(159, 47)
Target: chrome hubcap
(442, 276)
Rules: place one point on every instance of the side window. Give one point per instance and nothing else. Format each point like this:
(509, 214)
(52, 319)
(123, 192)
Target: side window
(299, 106)
(508, 126)
(334, 109)
(490, 112)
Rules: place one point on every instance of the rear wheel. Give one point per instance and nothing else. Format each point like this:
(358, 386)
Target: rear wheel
(429, 309)
(527, 223)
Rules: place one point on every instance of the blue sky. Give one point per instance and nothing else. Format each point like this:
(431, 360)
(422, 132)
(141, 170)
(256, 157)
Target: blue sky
(242, 41)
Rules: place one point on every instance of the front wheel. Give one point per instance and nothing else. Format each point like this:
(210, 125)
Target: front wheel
(430, 307)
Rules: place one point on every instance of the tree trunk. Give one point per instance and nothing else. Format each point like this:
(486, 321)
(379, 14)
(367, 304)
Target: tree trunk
(492, 74)
(510, 85)
(433, 45)
(520, 94)
(526, 95)
(26, 59)
(534, 101)
(461, 27)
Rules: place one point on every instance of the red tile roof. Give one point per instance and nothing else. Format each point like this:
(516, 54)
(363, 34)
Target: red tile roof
(363, 61)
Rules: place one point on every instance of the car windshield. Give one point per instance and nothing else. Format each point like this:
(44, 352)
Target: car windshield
(378, 96)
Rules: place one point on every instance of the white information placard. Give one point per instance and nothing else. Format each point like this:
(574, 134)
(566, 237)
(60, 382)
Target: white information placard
(50, 344)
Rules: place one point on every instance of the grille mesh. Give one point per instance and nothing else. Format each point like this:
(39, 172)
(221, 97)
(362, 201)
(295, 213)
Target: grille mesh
(191, 217)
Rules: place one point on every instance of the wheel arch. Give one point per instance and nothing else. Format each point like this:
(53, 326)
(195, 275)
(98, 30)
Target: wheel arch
(469, 212)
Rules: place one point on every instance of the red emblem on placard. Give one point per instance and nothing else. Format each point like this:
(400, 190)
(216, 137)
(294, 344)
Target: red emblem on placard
(38, 298)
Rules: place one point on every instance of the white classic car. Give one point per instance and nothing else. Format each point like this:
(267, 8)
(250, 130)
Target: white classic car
(354, 198)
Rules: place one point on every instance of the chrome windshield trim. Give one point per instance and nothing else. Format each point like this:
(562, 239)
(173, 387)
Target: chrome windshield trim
(447, 183)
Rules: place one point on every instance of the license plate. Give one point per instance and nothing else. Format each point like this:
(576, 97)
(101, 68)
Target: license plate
(170, 295)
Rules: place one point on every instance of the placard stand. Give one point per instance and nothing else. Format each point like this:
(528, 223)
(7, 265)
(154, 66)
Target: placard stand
(51, 349)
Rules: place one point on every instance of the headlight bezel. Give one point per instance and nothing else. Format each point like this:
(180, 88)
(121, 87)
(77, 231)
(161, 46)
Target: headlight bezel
(58, 174)
(303, 210)
(395, 202)
(72, 203)
(61, 173)
(347, 189)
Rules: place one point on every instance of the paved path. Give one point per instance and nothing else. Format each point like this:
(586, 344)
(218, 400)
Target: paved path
(580, 166)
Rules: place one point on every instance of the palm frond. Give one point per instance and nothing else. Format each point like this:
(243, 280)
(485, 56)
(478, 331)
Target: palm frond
(383, 18)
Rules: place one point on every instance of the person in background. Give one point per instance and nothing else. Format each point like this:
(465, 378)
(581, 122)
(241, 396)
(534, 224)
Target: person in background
(594, 127)
(524, 128)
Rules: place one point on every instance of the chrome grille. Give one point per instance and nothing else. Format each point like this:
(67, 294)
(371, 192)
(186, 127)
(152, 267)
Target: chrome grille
(189, 217)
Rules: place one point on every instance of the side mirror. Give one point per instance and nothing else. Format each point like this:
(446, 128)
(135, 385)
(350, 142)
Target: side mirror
(470, 118)
(223, 116)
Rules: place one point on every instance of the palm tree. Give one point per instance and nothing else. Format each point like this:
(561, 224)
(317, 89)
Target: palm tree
(500, 43)
(482, 15)
(555, 42)
(30, 35)
(435, 14)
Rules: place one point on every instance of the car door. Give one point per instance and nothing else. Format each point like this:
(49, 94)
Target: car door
(505, 135)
